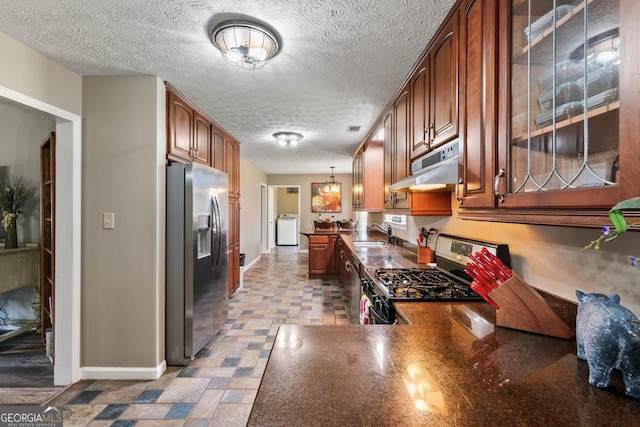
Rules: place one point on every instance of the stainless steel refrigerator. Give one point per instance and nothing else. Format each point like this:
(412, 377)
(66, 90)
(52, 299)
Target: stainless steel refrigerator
(197, 278)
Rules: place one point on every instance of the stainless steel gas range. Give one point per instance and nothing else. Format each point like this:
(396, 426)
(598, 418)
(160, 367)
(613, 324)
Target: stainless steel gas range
(446, 282)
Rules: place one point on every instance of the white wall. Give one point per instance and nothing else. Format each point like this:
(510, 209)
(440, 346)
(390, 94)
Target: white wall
(549, 258)
(123, 272)
(250, 179)
(287, 202)
(23, 130)
(306, 217)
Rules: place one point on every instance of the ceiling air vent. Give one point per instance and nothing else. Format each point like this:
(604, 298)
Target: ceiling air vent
(353, 129)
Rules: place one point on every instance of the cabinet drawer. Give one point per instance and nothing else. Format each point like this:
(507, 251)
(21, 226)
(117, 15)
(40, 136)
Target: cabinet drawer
(318, 239)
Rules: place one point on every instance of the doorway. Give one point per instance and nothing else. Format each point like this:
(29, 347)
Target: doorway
(66, 343)
(282, 199)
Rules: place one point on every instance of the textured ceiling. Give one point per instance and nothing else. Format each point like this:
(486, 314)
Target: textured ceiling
(341, 62)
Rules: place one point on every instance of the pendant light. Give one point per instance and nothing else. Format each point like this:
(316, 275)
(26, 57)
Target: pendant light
(332, 184)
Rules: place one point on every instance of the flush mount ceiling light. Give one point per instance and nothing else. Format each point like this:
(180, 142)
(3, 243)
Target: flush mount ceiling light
(332, 184)
(245, 44)
(287, 139)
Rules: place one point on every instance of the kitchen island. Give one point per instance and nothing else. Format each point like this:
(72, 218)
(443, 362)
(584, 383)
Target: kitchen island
(450, 367)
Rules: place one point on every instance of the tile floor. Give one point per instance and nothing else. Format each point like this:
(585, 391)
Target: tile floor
(219, 387)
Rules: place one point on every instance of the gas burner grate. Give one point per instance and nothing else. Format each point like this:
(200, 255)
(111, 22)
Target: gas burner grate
(423, 284)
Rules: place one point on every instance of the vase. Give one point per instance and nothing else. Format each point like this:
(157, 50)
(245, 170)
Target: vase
(11, 238)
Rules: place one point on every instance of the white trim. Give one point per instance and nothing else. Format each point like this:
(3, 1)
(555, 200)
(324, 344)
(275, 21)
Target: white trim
(115, 373)
(252, 263)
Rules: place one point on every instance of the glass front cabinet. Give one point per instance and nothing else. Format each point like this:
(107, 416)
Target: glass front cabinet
(569, 133)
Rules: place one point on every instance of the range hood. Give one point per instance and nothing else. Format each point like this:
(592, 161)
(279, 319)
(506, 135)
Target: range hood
(435, 170)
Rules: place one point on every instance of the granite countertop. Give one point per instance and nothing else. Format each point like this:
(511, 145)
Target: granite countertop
(450, 367)
(390, 256)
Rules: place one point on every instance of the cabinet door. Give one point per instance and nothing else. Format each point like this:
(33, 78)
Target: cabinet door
(333, 256)
(401, 147)
(372, 177)
(357, 188)
(180, 127)
(387, 123)
(201, 139)
(318, 255)
(234, 245)
(218, 144)
(554, 155)
(443, 125)
(420, 109)
(231, 165)
(236, 168)
(478, 47)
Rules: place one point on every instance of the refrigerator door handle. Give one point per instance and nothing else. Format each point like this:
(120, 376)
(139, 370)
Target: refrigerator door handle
(216, 233)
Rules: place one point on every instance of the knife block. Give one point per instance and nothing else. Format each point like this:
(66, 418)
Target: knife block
(523, 308)
(424, 255)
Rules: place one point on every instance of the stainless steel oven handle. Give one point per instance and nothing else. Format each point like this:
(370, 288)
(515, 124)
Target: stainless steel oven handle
(376, 317)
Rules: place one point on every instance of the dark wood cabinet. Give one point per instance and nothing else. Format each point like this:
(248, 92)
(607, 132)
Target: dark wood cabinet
(193, 137)
(357, 185)
(478, 76)
(188, 131)
(368, 183)
(47, 297)
(396, 155)
(217, 148)
(434, 92)
(234, 245)
(323, 256)
(553, 164)
(444, 84)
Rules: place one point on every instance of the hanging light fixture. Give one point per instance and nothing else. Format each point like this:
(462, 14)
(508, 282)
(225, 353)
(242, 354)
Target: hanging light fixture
(245, 44)
(287, 139)
(332, 184)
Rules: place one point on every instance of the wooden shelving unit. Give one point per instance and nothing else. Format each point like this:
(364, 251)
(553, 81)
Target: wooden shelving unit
(47, 232)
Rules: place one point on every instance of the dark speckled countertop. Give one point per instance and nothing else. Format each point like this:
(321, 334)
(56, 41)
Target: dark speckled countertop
(450, 367)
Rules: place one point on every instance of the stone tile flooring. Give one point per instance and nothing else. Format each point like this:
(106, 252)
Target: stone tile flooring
(219, 387)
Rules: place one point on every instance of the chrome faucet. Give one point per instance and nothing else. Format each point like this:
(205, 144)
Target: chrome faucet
(390, 239)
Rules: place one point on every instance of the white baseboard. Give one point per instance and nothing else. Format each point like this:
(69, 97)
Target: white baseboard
(116, 373)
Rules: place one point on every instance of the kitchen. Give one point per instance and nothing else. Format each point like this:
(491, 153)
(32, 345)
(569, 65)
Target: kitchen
(546, 256)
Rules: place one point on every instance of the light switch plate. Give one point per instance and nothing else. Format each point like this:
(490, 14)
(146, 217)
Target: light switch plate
(108, 221)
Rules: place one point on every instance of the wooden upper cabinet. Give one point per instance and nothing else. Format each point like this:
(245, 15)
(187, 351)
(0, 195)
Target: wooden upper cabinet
(478, 67)
(232, 165)
(368, 183)
(217, 143)
(396, 151)
(434, 92)
(443, 126)
(201, 139)
(357, 187)
(179, 123)
(188, 131)
(420, 109)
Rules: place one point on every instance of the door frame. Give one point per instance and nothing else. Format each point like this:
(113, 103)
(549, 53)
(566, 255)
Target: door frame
(272, 214)
(264, 223)
(68, 222)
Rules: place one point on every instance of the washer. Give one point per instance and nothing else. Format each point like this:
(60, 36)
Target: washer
(287, 230)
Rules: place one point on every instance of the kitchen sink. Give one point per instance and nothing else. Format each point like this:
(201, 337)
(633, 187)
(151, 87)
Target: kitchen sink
(370, 244)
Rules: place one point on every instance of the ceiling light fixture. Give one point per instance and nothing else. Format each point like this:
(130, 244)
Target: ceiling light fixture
(332, 184)
(287, 139)
(245, 44)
